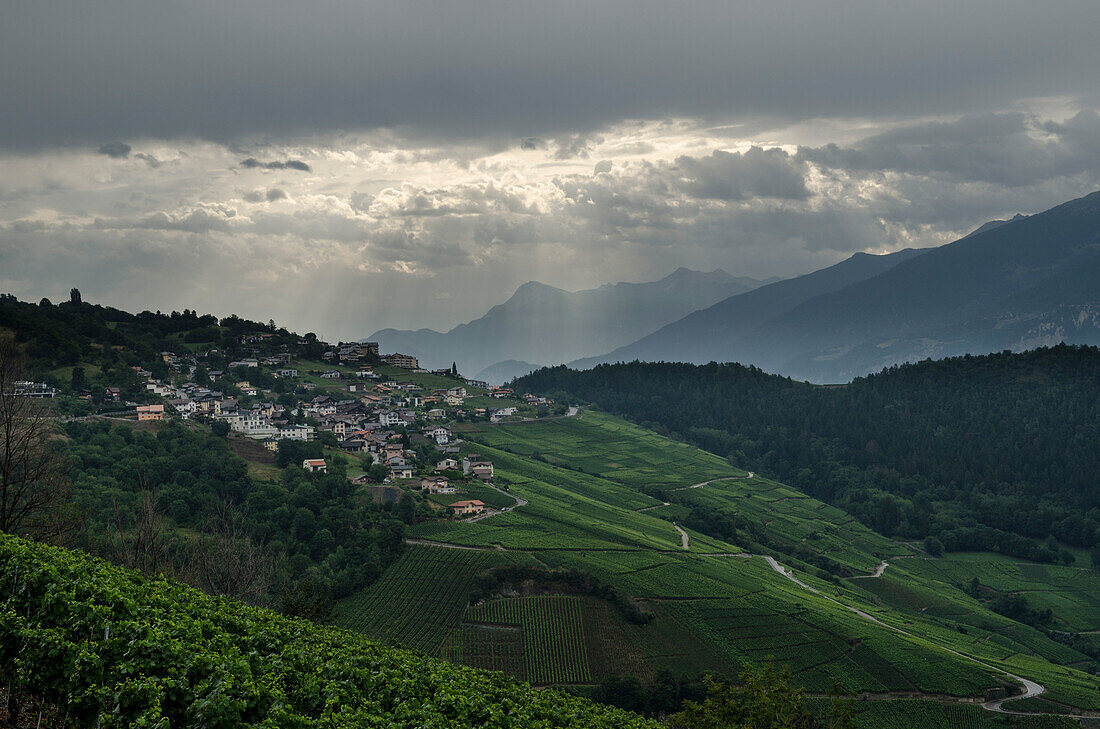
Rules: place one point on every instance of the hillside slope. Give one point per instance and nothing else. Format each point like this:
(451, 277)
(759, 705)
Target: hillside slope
(546, 325)
(981, 450)
(105, 645)
(729, 567)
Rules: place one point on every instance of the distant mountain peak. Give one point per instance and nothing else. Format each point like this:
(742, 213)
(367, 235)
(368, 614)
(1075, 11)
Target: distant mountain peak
(547, 324)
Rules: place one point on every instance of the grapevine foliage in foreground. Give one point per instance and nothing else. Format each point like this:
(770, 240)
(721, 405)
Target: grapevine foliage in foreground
(105, 644)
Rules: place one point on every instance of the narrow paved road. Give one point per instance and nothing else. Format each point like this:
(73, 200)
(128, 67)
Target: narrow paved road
(877, 573)
(683, 537)
(707, 483)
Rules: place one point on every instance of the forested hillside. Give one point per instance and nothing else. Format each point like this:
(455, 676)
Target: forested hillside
(982, 453)
(180, 502)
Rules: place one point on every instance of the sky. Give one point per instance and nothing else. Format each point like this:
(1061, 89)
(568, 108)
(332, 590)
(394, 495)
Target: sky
(342, 166)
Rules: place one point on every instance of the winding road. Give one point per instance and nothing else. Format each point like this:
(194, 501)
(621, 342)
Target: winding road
(1031, 688)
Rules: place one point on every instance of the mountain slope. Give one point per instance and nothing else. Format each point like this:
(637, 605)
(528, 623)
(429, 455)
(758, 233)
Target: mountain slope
(1011, 284)
(705, 335)
(998, 289)
(541, 323)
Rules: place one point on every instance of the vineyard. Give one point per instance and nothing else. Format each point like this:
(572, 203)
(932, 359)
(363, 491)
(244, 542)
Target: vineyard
(712, 607)
(110, 648)
(419, 599)
(609, 447)
(554, 643)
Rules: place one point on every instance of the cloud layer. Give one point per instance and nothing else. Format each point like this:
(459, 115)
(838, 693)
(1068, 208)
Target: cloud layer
(79, 72)
(349, 233)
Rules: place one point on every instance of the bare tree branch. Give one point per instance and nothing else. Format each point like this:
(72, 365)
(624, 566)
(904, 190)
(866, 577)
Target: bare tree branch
(33, 485)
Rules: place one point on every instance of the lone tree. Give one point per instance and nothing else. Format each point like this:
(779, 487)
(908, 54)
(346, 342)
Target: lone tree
(33, 486)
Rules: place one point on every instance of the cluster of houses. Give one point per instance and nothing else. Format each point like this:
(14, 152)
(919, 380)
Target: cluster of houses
(366, 412)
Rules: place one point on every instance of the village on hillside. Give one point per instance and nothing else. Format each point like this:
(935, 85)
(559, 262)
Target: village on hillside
(390, 422)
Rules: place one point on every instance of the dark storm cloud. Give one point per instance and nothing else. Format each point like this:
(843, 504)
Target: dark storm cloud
(1005, 149)
(756, 173)
(290, 164)
(77, 71)
(115, 150)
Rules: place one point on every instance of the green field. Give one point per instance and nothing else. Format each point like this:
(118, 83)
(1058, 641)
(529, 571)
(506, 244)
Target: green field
(713, 606)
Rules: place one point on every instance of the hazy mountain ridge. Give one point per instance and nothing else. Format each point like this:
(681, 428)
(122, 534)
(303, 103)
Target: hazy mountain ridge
(1010, 284)
(505, 371)
(706, 335)
(998, 289)
(545, 324)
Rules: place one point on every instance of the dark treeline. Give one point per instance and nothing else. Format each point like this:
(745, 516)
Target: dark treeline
(181, 503)
(77, 332)
(978, 452)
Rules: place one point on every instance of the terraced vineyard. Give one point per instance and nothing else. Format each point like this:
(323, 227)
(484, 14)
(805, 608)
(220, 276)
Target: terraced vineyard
(419, 598)
(104, 646)
(553, 635)
(713, 606)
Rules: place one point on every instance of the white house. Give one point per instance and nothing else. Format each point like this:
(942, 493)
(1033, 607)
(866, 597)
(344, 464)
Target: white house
(296, 432)
(388, 417)
(440, 434)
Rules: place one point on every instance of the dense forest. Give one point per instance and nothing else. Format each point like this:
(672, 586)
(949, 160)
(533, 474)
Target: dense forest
(181, 503)
(995, 452)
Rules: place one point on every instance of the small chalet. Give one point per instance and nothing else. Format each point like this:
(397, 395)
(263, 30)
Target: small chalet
(465, 508)
(446, 464)
(315, 465)
(401, 472)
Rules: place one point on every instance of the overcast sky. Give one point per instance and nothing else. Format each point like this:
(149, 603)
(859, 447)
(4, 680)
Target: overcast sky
(342, 166)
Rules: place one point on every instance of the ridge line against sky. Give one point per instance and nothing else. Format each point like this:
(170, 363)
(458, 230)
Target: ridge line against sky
(345, 167)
